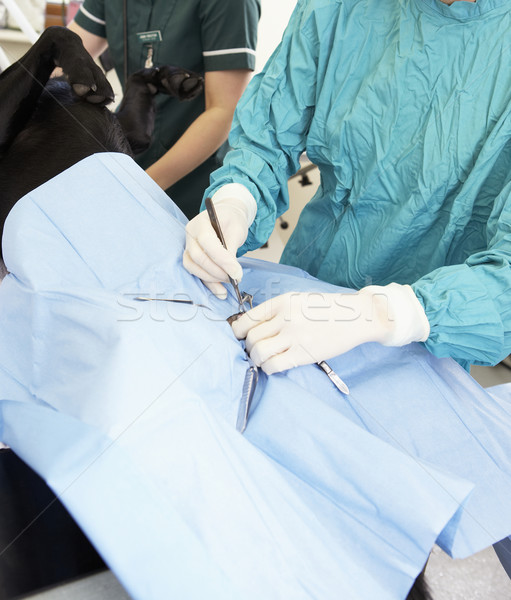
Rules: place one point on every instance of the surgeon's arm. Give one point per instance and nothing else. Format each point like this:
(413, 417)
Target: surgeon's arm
(297, 329)
(461, 311)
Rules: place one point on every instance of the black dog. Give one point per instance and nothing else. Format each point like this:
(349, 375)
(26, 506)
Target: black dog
(47, 125)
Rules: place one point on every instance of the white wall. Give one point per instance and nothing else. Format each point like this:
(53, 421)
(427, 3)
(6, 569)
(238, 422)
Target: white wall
(274, 17)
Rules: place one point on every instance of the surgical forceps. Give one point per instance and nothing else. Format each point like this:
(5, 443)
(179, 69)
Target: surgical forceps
(242, 297)
(252, 374)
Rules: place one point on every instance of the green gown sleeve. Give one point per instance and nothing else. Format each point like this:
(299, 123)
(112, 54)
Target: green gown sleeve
(271, 122)
(468, 305)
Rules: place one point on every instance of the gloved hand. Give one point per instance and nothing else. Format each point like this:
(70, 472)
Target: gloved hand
(301, 328)
(204, 255)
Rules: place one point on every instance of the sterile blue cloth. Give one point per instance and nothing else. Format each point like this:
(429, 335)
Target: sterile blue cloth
(127, 409)
(405, 106)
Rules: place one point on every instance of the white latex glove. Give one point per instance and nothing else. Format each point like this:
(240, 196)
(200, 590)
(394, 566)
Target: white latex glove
(204, 255)
(301, 328)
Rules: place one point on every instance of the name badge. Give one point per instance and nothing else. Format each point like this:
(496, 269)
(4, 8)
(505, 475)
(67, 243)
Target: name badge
(149, 37)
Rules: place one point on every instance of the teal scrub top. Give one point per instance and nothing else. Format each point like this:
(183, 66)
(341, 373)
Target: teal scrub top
(200, 35)
(404, 105)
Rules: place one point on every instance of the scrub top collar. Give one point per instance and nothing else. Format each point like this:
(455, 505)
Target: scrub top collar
(463, 10)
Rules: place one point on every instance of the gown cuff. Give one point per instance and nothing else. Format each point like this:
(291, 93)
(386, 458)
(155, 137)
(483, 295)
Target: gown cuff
(410, 321)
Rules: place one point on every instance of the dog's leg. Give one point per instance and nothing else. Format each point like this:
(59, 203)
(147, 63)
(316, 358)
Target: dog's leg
(137, 110)
(22, 83)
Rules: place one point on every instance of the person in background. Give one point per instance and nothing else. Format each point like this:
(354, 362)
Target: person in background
(214, 37)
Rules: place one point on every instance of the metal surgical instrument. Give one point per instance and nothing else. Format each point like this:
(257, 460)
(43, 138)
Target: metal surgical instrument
(176, 300)
(334, 378)
(252, 374)
(242, 297)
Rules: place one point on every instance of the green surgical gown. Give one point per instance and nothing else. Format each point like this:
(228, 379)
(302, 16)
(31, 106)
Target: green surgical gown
(404, 105)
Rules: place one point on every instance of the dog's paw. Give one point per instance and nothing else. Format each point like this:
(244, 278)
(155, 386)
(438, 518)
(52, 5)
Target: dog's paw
(92, 94)
(89, 82)
(84, 76)
(181, 83)
(169, 80)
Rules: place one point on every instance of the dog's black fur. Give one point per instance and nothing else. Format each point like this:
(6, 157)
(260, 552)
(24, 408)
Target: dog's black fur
(47, 125)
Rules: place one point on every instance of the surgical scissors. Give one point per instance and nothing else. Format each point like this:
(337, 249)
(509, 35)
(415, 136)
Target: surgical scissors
(252, 374)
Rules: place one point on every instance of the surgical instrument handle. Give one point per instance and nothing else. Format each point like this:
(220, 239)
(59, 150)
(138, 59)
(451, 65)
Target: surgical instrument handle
(216, 226)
